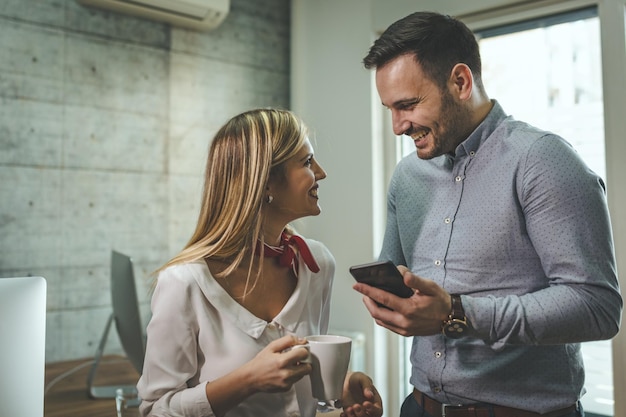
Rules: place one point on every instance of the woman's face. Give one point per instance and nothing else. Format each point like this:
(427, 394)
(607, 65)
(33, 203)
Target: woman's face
(295, 192)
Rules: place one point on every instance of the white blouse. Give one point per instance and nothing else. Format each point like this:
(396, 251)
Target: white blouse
(198, 333)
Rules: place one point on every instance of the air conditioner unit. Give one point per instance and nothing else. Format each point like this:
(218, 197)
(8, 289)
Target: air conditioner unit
(192, 14)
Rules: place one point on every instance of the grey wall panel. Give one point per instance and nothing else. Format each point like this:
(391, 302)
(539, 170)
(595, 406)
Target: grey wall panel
(105, 121)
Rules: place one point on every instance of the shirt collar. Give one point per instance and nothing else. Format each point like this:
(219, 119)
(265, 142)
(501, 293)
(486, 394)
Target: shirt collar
(247, 322)
(484, 130)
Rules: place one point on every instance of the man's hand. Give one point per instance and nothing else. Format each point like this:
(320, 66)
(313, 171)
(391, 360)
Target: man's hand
(419, 315)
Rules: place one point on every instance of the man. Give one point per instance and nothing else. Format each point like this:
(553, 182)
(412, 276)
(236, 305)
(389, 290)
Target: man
(504, 231)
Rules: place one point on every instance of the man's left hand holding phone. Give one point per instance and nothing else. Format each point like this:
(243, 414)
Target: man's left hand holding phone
(420, 313)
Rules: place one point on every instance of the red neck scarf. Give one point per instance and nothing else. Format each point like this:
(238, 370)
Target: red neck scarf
(289, 251)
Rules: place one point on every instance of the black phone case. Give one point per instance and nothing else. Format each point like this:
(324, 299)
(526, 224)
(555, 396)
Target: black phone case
(383, 275)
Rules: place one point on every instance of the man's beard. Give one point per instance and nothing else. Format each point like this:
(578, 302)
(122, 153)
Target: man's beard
(455, 120)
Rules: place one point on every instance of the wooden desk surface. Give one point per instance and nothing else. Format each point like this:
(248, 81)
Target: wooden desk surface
(68, 397)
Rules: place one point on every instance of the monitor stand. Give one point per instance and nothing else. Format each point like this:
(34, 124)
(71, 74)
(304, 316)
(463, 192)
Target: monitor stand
(107, 391)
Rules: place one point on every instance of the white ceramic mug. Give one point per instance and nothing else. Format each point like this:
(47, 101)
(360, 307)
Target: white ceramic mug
(330, 358)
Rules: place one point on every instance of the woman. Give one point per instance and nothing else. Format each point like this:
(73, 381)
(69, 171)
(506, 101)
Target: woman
(246, 288)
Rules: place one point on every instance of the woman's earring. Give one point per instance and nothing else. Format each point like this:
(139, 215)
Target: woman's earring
(269, 199)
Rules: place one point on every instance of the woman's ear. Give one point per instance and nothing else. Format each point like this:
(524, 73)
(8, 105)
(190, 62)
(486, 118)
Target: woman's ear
(269, 197)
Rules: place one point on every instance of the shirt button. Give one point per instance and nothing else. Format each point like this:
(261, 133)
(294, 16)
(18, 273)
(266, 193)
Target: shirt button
(447, 220)
(438, 262)
(472, 153)
(458, 178)
(437, 355)
(437, 389)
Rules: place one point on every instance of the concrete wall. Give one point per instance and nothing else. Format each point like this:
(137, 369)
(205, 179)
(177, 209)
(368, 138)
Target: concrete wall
(105, 121)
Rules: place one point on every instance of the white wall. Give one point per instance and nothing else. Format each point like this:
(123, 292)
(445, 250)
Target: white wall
(333, 93)
(333, 97)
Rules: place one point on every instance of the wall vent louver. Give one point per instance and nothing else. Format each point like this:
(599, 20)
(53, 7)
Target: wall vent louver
(199, 15)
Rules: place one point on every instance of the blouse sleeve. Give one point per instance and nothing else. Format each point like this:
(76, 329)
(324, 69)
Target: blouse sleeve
(171, 354)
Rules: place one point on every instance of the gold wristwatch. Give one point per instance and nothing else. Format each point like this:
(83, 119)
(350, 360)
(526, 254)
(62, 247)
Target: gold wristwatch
(455, 326)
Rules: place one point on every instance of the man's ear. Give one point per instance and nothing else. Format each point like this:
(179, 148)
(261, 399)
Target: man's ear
(461, 81)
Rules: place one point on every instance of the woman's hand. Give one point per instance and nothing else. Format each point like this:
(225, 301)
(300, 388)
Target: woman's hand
(276, 370)
(272, 370)
(360, 398)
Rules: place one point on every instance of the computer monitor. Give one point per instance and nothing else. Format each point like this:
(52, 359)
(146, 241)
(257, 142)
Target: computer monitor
(22, 346)
(126, 309)
(125, 314)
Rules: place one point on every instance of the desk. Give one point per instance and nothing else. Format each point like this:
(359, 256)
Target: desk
(68, 397)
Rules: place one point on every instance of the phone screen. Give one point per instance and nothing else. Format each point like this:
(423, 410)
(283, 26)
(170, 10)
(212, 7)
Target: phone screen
(383, 275)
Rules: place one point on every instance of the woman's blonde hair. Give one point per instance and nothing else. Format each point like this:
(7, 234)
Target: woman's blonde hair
(244, 153)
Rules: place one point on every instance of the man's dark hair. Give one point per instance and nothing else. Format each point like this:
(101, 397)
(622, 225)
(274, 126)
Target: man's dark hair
(438, 42)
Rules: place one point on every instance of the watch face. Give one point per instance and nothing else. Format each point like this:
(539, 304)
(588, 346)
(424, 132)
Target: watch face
(455, 329)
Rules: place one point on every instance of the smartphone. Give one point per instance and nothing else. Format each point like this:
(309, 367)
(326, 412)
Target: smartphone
(383, 275)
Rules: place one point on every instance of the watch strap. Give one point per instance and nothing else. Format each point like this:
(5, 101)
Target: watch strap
(457, 311)
(456, 325)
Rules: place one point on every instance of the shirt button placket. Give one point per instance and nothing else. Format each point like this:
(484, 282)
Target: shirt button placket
(274, 330)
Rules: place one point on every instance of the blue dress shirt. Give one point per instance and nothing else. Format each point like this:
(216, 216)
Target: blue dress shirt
(518, 225)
